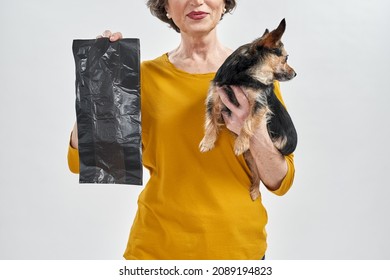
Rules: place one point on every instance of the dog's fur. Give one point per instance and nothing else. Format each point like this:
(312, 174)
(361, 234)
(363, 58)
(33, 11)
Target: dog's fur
(254, 67)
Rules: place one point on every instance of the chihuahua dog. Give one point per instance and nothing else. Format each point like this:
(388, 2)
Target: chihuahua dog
(254, 67)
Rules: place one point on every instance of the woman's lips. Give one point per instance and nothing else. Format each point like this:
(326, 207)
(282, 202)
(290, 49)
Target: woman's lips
(197, 15)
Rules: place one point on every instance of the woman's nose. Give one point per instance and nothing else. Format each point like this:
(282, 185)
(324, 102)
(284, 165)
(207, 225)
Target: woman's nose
(197, 2)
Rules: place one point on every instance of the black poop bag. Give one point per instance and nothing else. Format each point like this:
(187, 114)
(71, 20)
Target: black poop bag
(108, 110)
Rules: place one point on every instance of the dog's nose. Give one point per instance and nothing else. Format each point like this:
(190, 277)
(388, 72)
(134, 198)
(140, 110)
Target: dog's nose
(295, 74)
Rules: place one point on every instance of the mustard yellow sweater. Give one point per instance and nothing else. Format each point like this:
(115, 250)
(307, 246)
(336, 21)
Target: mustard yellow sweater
(195, 205)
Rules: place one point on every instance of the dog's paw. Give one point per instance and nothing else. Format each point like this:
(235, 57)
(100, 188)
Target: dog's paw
(206, 146)
(255, 194)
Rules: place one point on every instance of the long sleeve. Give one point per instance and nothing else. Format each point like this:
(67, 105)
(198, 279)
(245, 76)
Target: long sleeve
(289, 178)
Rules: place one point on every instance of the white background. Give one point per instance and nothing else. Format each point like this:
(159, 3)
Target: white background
(338, 207)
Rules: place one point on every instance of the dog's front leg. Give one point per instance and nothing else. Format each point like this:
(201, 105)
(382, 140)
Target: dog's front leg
(259, 109)
(213, 119)
(242, 141)
(251, 123)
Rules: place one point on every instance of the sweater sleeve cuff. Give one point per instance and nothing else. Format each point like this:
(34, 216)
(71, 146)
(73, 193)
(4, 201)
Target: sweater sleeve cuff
(73, 160)
(288, 179)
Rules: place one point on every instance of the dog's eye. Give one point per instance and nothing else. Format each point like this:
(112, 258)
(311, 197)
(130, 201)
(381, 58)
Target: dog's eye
(286, 58)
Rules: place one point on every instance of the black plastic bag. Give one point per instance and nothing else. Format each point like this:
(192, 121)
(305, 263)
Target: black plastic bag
(108, 110)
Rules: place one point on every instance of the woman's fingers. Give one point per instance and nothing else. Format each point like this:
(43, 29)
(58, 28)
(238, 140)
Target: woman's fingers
(106, 34)
(235, 120)
(112, 36)
(241, 97)
(116, 36)
(225, 99)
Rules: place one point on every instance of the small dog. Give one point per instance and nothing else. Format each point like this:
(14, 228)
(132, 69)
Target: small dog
(254, 67)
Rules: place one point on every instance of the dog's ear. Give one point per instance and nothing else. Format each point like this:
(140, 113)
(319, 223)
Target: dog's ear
(271, 40)
(258, 42)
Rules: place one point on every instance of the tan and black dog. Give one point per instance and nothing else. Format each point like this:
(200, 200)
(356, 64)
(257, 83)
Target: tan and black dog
(254, 67)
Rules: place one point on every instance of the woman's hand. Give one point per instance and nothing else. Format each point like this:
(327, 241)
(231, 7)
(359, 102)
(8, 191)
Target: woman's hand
(112, 36)
(235, 121)
(74, 140)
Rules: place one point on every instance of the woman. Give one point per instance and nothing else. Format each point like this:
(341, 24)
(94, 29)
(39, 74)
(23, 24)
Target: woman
(196, 205)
